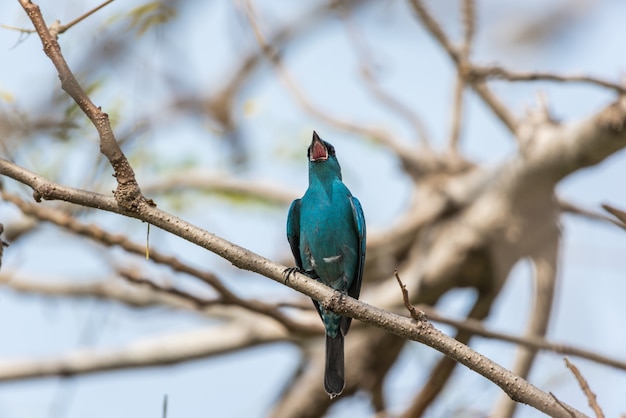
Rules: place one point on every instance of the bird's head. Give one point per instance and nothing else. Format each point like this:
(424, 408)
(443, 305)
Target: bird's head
(322, 158)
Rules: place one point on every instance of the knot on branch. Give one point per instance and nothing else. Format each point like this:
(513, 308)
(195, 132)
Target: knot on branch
(44, 192)
(334, 302)
(129, 197)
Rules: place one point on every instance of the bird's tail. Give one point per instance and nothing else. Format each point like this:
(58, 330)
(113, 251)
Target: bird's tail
(334, 374)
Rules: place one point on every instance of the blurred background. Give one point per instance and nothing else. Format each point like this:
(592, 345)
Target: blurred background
(217, 135)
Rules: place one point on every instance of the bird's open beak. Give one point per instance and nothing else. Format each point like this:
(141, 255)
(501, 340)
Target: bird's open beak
(317, 149)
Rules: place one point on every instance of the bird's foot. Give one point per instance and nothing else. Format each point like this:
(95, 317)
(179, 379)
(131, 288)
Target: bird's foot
(288, 272)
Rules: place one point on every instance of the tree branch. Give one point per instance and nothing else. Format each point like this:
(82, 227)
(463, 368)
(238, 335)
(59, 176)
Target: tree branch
(127, 193)
(591, 397)
(469, 17)
(499, 73)
(168, 349)
(545, 262)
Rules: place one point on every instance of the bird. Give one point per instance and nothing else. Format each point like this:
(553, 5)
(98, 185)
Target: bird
(326, 233)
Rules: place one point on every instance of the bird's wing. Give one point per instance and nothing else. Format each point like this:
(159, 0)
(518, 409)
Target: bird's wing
(293, 236)
(355, 286)
(293, 231)
(359, 224)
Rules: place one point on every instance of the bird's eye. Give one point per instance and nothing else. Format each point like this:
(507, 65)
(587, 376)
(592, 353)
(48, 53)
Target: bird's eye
(331, 149)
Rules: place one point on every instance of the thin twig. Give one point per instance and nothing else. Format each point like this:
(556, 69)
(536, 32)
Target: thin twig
(56, 28)
(469, 26)
(557, 400)
(135, 278)
(415, 314)
(478, 328)
(494, 72)
(468, 11)
(569, 207)
(618, 213)
(457, 114)
(591, 397)
(106, 290)
(84, 16)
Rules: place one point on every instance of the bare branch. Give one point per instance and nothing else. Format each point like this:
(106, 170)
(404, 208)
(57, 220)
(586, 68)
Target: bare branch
(111, 289)
(478, 328)
(456, 115)
(415, 314)
(545, 260)
(618, 213)
(569, 207)
(82, 17)
(197, 301)
(168, 349)
(468, 10)
(469, 26)
(499, 73)
(56, 28)
(591, 397)
(128, 193)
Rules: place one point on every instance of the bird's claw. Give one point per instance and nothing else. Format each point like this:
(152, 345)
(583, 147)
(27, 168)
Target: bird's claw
(291, 271)
(288, 272)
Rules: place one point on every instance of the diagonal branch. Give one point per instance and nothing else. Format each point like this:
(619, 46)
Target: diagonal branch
(591, 397)
(545, 262)
(168, 349)
(478, 328)
(128, 193)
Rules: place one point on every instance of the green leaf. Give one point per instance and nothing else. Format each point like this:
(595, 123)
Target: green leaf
(150, 14)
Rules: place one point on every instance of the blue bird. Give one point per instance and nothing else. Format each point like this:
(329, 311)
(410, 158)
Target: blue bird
(326, 232)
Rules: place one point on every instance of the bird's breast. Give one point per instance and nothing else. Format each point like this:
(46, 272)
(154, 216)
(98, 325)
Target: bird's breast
(328, 240)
